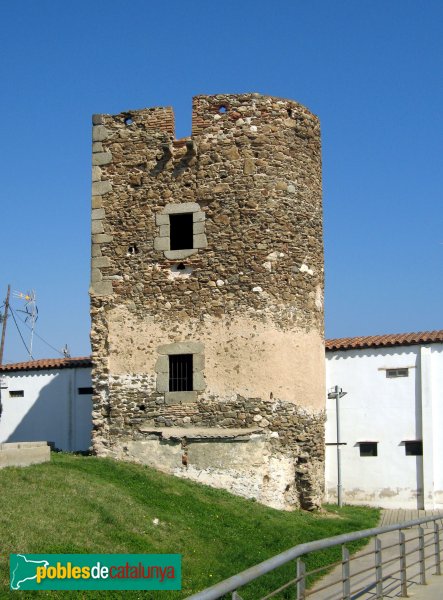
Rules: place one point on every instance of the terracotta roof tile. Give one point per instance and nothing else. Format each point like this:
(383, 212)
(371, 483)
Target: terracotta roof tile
(48, 363)
(380, 341)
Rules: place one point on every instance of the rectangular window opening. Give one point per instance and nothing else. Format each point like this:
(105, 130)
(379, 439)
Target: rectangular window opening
(16, 393)
(368, 448)
(397, 373)
(180, 373)
(84, 390)
(181, 231)
(414, 448)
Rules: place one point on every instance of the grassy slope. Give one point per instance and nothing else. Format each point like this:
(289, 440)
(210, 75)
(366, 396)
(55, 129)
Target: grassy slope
(84, 504)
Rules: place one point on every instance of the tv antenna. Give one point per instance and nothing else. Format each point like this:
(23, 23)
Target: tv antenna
(31, 312)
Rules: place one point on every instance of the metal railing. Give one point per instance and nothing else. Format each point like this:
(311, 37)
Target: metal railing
(378, 571)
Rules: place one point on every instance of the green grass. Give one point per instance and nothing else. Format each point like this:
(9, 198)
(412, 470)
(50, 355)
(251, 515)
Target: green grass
(77, 504)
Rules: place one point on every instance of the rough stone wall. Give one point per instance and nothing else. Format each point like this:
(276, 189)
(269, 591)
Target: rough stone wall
(250, 293)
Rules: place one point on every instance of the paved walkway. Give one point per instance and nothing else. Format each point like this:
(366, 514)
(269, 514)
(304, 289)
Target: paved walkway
(362, 585)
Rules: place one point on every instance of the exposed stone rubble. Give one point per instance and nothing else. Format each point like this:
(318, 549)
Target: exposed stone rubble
(249, 294)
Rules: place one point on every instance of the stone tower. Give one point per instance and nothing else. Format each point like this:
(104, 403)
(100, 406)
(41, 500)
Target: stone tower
(207, 295)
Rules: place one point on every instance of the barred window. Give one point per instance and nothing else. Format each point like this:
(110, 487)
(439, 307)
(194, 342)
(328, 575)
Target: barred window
(180, 372)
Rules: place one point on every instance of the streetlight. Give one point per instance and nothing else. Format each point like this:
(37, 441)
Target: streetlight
(338, 393)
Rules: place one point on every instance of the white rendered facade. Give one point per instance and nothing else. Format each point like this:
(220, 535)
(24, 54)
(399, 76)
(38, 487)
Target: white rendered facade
(388, 410)
(48, 403)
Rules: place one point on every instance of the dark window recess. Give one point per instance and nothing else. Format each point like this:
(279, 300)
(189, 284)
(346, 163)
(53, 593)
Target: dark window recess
(16, 393)
(180, 373)
(368, 448)
(397, 373)
(85, 390)
(181, 231)
(414, 448)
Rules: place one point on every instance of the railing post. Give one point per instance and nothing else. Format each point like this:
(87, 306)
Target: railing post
(403, 581)
(301, 581)
(421, 555)
(346, 574)
(378, 569)
(437, 548)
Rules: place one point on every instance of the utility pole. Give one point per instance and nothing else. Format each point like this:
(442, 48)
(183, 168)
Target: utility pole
(338, 393)
(5, 318)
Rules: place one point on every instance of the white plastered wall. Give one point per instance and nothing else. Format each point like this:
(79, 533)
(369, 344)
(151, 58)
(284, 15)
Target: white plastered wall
(387, 411)
(51, 408)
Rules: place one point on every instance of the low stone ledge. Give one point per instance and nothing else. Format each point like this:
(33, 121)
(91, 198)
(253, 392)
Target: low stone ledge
(200, 433)
(23, 454)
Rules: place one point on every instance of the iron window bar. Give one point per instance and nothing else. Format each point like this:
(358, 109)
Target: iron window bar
(180, 373)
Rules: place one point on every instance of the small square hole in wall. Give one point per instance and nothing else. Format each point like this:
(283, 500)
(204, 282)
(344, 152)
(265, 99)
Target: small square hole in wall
(16, 393)
(391, 373)
(180, 372)
(181, 231)
(414, 448)
(368, 448)
(83, 391)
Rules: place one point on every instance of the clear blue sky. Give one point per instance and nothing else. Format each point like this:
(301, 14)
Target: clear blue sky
(371, 69)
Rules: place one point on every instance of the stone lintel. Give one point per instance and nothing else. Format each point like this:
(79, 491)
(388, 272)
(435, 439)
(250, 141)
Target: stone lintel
(181, 348)
(184, 207)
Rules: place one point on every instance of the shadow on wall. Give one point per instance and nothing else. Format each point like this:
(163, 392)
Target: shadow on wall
(58, 414)
(419, 434)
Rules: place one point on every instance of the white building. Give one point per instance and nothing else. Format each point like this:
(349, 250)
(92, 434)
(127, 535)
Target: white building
(47, 400)
(391, 420)
(391, 417)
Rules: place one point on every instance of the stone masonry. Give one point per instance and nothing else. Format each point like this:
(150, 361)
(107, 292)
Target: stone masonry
(241, 300)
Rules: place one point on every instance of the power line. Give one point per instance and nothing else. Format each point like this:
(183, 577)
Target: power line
(20, 333)
(40, 337)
